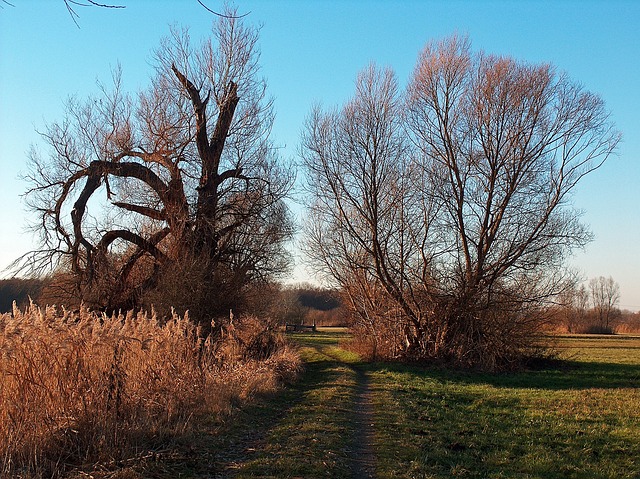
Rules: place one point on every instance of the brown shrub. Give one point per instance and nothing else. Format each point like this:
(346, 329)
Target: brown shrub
(377, 336)
(83, 387)
(467, 336)
(330, 318)
(629, 323)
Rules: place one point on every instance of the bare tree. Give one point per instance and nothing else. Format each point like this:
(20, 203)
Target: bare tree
(505, 144)
(460, 210)
(605, 296)
(179, 187)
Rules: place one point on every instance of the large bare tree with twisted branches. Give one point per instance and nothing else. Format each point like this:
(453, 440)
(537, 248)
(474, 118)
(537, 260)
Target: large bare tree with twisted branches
(173, 195)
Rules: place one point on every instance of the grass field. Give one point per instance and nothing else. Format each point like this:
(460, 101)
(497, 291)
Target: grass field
(578, 419)
(581, 419)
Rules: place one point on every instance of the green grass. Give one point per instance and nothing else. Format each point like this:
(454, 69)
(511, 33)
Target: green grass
(302, 431)
(580, 420)
(311, 436)
(619, 349)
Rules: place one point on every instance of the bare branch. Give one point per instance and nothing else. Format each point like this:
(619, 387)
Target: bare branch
(145, 245)
(143, 210)
(87, 3)
(223, 15)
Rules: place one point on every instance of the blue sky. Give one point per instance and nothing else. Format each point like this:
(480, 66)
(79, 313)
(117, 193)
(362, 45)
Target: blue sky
(311, 53)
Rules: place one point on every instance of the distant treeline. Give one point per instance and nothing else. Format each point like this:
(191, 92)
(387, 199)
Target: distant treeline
(19, 290)
(318, 298)
(307, 304)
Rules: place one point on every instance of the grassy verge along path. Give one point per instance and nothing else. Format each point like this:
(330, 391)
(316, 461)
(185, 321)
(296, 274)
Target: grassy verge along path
(319, 432)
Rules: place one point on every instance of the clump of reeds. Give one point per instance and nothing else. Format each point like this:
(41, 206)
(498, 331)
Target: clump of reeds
(86, 387)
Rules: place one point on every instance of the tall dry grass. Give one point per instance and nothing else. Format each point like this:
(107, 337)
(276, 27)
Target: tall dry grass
(84, 388)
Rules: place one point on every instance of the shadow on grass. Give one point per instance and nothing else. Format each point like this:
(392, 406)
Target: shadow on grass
(259, 438)
(564, 375)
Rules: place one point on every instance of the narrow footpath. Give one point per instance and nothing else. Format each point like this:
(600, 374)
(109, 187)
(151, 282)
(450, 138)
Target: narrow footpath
(364, 459)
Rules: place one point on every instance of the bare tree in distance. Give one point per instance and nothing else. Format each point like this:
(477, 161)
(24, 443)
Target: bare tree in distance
(174, 196)
(605, 296)
(459, 210)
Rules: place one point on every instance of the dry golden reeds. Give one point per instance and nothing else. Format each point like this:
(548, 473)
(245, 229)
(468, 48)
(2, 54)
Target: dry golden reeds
(78, 387)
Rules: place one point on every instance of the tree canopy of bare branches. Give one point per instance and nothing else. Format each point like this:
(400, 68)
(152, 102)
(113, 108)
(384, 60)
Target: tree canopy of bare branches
(173, 194)
(445, 210)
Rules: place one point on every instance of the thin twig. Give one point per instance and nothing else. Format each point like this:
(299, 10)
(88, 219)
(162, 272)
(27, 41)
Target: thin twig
(221, 14)
(89, 3)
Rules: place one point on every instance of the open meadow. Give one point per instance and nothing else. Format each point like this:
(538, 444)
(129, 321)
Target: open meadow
(578, 418)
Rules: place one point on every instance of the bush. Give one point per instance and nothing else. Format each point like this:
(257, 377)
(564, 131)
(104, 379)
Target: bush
(83, 387)
(19, 290)
(477, 336)
(597, 329)
(629, 323)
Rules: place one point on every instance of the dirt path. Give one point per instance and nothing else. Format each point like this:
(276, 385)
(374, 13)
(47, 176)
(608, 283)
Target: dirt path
(362, 452)
(363, 458)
